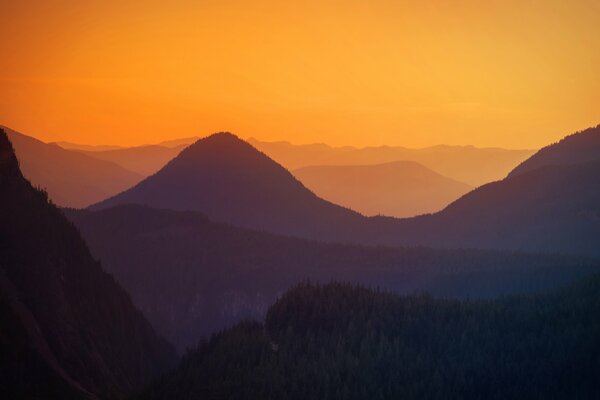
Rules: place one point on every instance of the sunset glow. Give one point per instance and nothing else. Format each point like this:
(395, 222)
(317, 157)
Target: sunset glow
(512, 74)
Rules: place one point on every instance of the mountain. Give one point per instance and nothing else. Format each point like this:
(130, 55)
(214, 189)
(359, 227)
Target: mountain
(341, 341)
(398, 189)
(179, 142)
(471, 165)
(68, 329)
(577, 148)
(191, 276)
(85, 147)
(549, 209)
(70, 178)
(230, 181)
(143, 160)
(552, 208)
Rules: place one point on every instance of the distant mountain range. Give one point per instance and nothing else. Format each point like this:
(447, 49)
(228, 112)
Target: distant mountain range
(69, 331)
(71, 179)
(471, 165)
(397, 189)
(143, 160)
(554, 208)
(192, 276)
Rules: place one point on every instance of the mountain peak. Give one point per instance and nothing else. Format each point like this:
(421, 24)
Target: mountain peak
(230, 181)
(9, 165)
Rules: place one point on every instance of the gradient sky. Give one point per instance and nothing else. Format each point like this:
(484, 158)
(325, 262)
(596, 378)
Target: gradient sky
(516, 74)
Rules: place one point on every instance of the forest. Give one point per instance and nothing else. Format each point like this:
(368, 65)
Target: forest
(343, 341)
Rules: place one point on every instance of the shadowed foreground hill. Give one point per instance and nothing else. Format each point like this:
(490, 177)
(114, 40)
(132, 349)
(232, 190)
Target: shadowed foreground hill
(68, 329)
(396, 189)
(345, 342)
(230, 181)
(70, 178)
(192, 276)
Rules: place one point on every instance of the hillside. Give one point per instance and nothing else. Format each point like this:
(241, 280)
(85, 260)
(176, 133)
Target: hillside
(580, 147)
(191, 276)
(397, 189)
(68, 329)
(342, 341)
(471, 165)
(230, 181)
(552, 209)
(70, 178)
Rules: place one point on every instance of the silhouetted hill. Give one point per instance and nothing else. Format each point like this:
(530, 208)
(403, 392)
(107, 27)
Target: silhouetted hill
(230, 181)
(68, 329)
(70, 178)
(345, 342)
(580, 147)
(551, 209)
(471, 165)
(144, 160)
(192, 276)
(397, 189)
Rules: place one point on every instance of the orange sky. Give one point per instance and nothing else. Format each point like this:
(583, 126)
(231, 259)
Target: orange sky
(495, 73)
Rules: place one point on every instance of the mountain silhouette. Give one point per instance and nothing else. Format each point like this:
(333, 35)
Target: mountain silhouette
(70, 178)
(554, 208)
(230, 181)
(471, 165)
(549, 209)
(68, 329)
(192, 276)
(577, 148)
(398, 189)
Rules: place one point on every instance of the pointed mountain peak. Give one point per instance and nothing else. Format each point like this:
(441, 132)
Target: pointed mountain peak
(224, 139)
(9, 166)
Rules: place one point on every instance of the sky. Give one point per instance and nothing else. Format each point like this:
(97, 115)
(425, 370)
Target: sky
(515, 74)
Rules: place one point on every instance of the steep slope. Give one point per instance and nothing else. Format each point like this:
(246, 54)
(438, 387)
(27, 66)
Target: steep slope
(70, 178)
(397, 189)
(471, 165)
(580, 147)
(144, 160)
(342, 341)
(192, 276)
(230, 181)
(69, 330)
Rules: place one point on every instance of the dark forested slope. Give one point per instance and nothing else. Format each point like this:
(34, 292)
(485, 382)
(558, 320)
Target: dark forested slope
(345, 342)
(68, 329)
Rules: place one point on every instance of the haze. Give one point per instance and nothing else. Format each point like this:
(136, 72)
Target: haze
(511, 74)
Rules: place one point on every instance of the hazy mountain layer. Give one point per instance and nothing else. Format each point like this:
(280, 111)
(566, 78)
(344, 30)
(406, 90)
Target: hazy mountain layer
(70, 178)
(397, 189)
(471, 165)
